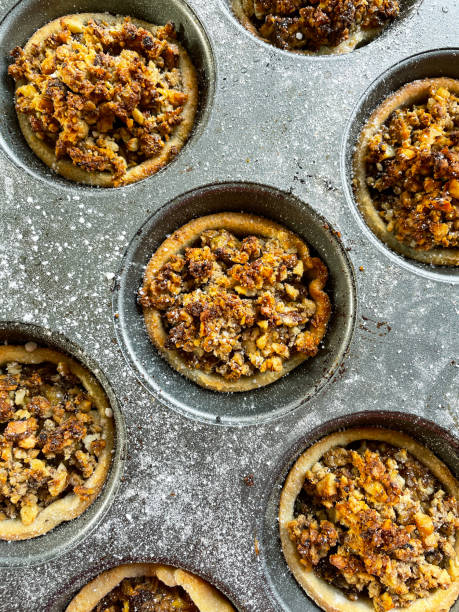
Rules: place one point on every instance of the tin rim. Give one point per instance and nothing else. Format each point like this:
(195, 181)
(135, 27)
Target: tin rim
(65, 593)
(409, 9)
(196, 40)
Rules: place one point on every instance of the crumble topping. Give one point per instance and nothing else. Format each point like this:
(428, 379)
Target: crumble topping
(146, 594)
(106, 97)
(310, 24)
(235, 307)
(373, 521)
(412, 166)
(50, 438)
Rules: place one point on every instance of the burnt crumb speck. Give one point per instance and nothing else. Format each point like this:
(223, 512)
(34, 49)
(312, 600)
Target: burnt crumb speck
(379, 328)
(249, 480)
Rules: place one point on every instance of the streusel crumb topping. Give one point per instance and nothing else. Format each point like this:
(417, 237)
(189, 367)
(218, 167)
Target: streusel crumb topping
(236, 307)
(412, 166)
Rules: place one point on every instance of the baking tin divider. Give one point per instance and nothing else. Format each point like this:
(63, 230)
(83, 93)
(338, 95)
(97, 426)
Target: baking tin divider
(28, 15)
(435, 63)
(67, 535)
(64, 593)
(283, 589)
(268, 402)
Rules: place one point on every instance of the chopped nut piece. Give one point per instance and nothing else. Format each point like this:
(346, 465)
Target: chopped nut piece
(29, 513)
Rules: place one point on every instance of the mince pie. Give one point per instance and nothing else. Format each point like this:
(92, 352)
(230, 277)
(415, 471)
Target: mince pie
(234, 301)
(148, 587)
(406, 171)
(369, 519)
(309, 26)
(104, 100)
(56, 440)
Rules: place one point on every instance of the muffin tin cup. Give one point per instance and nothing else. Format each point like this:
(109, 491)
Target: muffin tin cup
(436, 63)
(283, 589)
(67, 535)
(270, 401)
(407, 9)
(65, 593)
(29, 15)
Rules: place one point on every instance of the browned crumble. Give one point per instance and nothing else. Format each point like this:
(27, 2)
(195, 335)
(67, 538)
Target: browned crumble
(50, 438)
(310, 24)
(146, 595)
(106, 97)
(373, 521)
(412, 166)
(235, 307)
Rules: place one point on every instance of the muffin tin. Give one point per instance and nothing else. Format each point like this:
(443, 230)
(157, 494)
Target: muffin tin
(271, 122)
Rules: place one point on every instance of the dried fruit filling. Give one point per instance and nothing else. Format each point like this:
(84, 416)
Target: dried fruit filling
(145, 595)
(310, 24)
(51, 438)
(373, 521)
(412, 165)
(235, 307)
(107, 97)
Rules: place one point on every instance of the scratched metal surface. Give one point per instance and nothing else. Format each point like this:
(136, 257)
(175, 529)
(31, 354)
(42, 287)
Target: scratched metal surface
(278, 119)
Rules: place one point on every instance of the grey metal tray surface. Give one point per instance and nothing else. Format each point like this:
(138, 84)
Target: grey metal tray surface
(271, 118)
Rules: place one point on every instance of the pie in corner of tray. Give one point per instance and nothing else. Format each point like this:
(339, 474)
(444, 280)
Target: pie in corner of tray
(234, 301)
(56, 440)
(406, 171)
(312, 27)
(149, 586)
(104, 100)
(369, 519)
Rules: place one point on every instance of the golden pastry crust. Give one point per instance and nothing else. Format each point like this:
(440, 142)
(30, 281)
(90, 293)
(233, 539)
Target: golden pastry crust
(306, 28)
(410, 94)
(327, 596)
(71, 505)
(312, 270)
(132, 150)
(204, 596)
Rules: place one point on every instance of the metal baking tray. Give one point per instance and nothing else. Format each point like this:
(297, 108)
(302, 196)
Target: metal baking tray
(199, 482)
